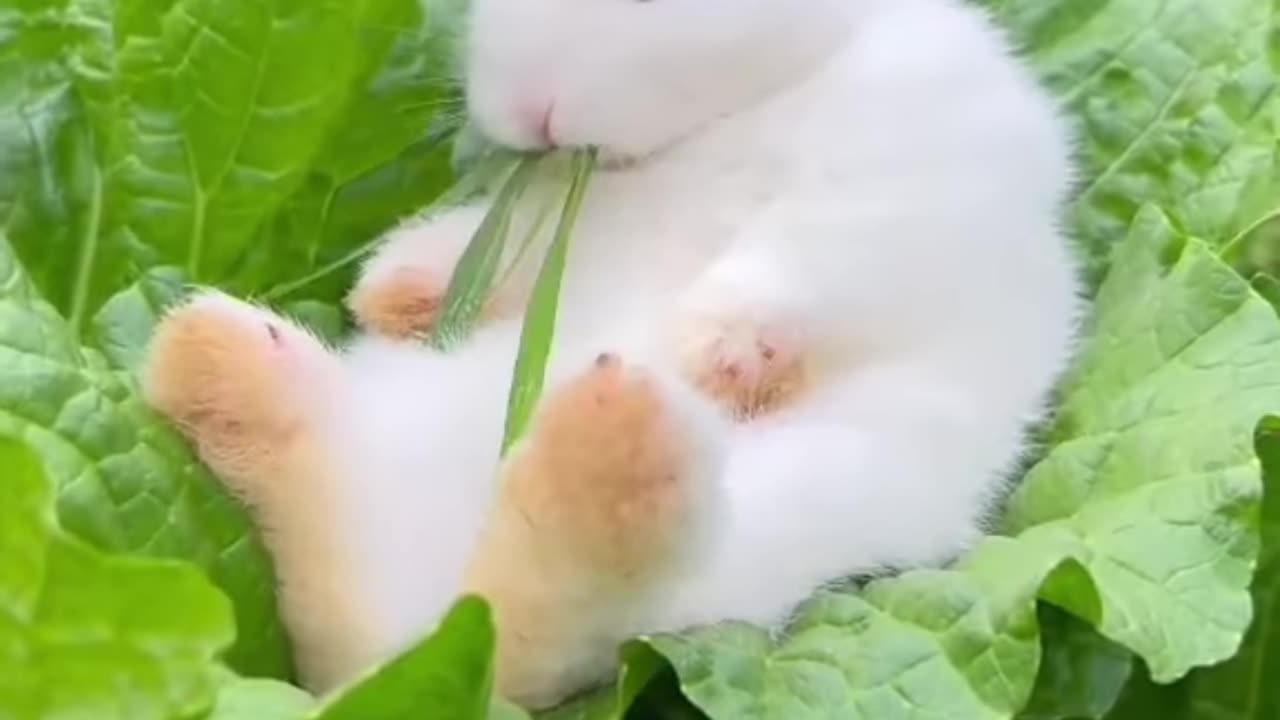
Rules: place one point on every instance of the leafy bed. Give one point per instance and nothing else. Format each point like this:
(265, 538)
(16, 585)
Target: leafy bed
(259, 144)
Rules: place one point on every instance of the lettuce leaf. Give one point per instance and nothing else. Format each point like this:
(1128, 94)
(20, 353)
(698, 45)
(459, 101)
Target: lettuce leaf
(1175, 103)
(126, 482)
(149, 143)
(1241, 688)
(77, 626)
(247, 143)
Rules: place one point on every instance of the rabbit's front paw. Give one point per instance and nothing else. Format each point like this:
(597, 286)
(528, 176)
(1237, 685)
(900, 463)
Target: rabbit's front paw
(399, 302)
(237, 379)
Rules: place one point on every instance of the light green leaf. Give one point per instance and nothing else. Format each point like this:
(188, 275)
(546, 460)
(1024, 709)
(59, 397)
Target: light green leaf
(125, 481)
(1176, 104)
(1241, 688)
(83, 634)
(956, 644)
(1152, 483)
(258, 699)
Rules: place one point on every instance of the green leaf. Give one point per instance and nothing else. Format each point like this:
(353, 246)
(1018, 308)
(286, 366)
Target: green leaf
(1152, 483)
(248, 143)
(957, 644)
(122, 328)
(1241, 688)
(143, 143)
(448, 675)
(258, 699)
(125, 481)
(1082, 674)
(83, 634)
(1176, 104)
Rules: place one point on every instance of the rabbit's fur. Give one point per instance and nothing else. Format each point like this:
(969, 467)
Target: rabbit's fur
(810, 307)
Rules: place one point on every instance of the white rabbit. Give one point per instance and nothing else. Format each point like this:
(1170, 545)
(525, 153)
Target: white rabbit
(813, 300)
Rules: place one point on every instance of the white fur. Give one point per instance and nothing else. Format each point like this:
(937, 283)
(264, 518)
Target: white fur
(882, 178)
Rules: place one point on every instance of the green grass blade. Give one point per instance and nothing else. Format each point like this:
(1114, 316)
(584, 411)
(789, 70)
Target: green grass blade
(473, 278)
(540, 317)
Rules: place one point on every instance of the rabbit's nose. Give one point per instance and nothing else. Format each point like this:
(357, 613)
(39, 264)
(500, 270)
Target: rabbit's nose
(542, 122)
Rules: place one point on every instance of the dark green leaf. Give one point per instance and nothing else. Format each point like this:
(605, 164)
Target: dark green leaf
(247, 143)
(125, 481)
(1081, 674)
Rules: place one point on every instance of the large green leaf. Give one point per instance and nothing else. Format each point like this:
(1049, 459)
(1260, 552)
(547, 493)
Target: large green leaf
(125, 481)
(1152, 482)
(247, 142)
(143, 143)
(83, 634)
(1241, 688)
(1176, 104)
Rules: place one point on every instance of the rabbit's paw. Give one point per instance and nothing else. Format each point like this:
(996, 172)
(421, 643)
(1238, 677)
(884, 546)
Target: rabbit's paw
(400, 302)
(401, 290)
(605, 498)
(609, 457)
(748, 362)
(235, 378)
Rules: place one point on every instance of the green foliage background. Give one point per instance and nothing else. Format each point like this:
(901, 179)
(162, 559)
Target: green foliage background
(259, 145)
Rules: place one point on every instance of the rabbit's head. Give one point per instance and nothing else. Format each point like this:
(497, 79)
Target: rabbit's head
(632, 76)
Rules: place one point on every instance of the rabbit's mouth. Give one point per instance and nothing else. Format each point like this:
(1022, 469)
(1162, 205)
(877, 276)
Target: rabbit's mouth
(614, 160)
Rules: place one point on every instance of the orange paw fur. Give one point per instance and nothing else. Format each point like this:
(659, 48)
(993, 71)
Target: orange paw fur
(406, 303)
(605, 465)
(238, 380)
(231, 376)
(592, 504)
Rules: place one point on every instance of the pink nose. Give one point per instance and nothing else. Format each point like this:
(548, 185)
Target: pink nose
(534, 119)
(542, 123)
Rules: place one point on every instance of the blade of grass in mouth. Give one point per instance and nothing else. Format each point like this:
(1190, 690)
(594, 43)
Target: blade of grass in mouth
(540, 317)
(473, 278)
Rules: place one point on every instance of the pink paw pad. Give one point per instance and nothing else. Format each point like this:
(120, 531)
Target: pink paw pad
(750, 369)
